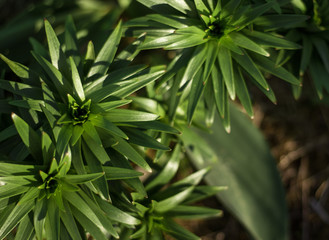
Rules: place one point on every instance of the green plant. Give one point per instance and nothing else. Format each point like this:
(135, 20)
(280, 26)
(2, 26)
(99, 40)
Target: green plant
(85, 123)
(219, 41)
(313, 35)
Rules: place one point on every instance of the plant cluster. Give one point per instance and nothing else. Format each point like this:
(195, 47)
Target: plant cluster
(85, 124)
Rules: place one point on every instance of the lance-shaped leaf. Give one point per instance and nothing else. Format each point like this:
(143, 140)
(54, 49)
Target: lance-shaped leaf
(142, 139)
(193, 212)
(10, 190)
(95, 166)
(57, 56)
(30, 138)
(105, 124)
(168, 171)
(40, 213)
(17, 214)
(106, 54)
(177, 231)
(269, 66)
(25, 228)
(226, 67)
(125, 115)
(116, 173)
(77, 81)
(21, 89)
(69, 222)
(127, 150)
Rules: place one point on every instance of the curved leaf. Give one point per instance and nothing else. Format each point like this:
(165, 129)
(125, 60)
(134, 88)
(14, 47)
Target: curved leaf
(242, 161)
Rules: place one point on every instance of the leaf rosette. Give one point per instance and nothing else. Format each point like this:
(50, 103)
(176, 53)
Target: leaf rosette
(219, 47)
(46, 198)
(82, 100)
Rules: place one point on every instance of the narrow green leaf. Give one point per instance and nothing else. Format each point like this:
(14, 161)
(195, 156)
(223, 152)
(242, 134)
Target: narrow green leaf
(94, 228)
(181, 185)
(248, 64)
(82, 178)
(40, 212)
(106, 106)
(8, 132)
(120, 161)
(125, 149)
(91, 131)
(227, 42)
(217, 8)
(48, 149)
(201, 7)
(169, 170)
(323, 50)
(278, 21)
(25, 229)
(64, 137)
(102, 216)
(269, 66)
(172, 202)
(210, 103)
(132, 85)
(306, 55)
(177, 231)
(112, 78)
(193, 212)
(16, 215)
(195, 94)
(12, 168)
(212, 53)
(20, 70)
(243, 41)
(195, 63)
(106, 54)
(270, 40)
(95, 166)
(226, 67)
(125, 115)
(169, 20)
(186, 40)
(10, 190)
(58, 80)
(57, 56)
(115, 213)
(154, 125)
(242, 92)
(96, 148)
(105, 124)
(76, 134)
(52, 121)
(219, 89)
(69, 222)
(78, 163)
(140, 138)
(203, 192)
(29, 104)
(229, 8)
(21, 89)
(75, 200)
(77, 81)
(319, 75)
(116, 173)
(252, 14)
(89, 58)
(30, 138)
